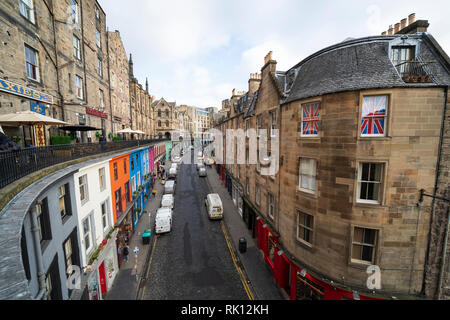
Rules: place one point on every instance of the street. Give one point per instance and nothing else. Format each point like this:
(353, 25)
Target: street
(193, 260)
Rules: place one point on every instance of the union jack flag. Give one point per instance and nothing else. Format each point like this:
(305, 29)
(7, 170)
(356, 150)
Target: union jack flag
(373, 115)
(310, 121)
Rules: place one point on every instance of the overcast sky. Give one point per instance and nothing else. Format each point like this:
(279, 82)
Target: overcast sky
(195, 52)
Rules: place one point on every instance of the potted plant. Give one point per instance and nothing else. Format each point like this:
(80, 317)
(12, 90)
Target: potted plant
(135, 194)
(140, 188)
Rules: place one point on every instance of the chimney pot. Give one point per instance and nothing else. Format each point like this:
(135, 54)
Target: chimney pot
(384, 33)
(411, 18)
(397, 27)
(390, 30)
(402, 23)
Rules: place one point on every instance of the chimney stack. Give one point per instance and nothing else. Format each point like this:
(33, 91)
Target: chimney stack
(396, 28)
(390, 30)
(411, 18)
(384, 33)
(268, 57)
(402, 23)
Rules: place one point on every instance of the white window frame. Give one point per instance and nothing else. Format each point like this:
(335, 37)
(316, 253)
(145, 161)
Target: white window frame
(98, 38)
(61, 196)
(75, 11)
(76, 47)
(312, 176)
(100, 67)
(385, 117)
(101, 97)
(79, 88)
(28, 6)
(102, 179)
(87, 233)
(105, 216)
(302, 225)
(374, 245)
(83, 184)
(380, 183)
(133, 183)
(36, 61)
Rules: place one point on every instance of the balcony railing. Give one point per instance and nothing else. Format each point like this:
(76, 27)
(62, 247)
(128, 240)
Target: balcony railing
(415, 71)
(20, 163)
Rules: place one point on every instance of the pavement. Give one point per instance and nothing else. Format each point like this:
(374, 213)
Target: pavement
(258, 273)
(126, 284)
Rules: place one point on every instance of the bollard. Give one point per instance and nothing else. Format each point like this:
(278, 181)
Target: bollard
(242, 245)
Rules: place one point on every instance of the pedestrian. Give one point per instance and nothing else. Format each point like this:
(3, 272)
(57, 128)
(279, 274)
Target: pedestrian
(126, 252)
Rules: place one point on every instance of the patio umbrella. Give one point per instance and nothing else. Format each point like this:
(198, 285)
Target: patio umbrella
(79, 128)
(139, 132)
(30, 118)
(26, 118)
(127, 130)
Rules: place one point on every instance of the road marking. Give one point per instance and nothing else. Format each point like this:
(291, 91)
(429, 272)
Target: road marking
(149, 265)
(239, 270)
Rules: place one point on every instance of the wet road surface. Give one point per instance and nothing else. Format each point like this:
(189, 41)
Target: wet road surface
(192, 261)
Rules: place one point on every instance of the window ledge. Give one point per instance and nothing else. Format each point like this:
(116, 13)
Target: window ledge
(360, 264)
(368, 205)
(374, 138)
(306, 193)
(304, 244)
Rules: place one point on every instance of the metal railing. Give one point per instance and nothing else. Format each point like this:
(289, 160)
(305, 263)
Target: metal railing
(20, 163)
(415, 71)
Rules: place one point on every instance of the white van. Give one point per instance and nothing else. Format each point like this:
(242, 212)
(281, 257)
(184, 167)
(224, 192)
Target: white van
(202, 172)
(200, 165)
(169, 187)
(163, 220)
(214, 206)
(174, 166)
(172, 173)
(167, 201)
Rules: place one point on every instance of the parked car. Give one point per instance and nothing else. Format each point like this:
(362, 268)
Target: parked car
(163, 220)
(202, 172)
(168, 201)
(169, 187)
(214, 206)
(200, 165)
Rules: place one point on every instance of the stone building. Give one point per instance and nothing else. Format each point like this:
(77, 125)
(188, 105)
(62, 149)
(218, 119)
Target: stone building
(362, 130)
(165, 117)
(83, 65)
(28, 77)
(119, 82)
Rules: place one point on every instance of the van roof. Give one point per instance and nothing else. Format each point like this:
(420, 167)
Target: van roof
(162, 212)
(166, 196)
(214, 197)
(170, 183)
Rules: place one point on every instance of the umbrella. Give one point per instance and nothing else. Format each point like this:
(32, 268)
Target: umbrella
(1, 130)
(127, 130)
(30, 118)
(139, 132)
(25, 118)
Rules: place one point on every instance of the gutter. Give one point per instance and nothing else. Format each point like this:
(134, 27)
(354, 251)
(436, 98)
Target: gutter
(38, 254)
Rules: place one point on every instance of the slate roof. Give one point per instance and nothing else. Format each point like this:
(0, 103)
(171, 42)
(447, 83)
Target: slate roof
(360, 64)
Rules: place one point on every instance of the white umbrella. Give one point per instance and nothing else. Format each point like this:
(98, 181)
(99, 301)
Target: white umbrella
(1, 130)
(139, 132)
(127, 130)
(25, 118)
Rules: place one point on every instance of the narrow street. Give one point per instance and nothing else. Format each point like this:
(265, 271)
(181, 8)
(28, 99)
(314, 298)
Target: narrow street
(193, 260)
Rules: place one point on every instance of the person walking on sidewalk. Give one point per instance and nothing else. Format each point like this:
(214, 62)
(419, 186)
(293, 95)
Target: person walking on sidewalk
(126, 252)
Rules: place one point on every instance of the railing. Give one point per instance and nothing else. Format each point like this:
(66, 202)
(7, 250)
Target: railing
(20, 163)
(415, 71)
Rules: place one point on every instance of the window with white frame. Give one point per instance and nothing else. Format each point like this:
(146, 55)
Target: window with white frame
(99, 67)
(133, 183)
(32, 63)
(26, 8)
(101, 97)
(310, 119)
(305, 227)
(87, 234)
(76, 48)
(84, 196)
(102, 179)
(374, 116)
(257, 194)
(139, 178)
(364, 245)
(271, 206)
(307, 175)
(97, 12)
(64, 201)
(98, 38)
(75, 11)
(370, 176)
(105, 221)
(79, 87)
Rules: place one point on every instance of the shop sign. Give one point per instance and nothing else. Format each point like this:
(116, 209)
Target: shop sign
(96, 113)
(22, 91)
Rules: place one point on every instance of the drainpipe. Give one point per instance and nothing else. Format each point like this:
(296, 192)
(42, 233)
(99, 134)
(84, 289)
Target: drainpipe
(109, 81)
(444, 256)
(38, 254)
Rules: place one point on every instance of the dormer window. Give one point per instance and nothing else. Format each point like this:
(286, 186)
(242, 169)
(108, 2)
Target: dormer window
(409, 65)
